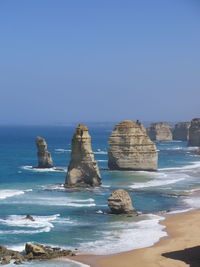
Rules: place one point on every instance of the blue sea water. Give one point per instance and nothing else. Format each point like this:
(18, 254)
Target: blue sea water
(80, 219)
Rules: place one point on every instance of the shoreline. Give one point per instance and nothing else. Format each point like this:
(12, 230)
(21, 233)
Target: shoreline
(180, 247)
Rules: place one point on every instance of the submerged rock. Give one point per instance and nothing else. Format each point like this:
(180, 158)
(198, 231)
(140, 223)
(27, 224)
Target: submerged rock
(181, 131)
(194, 133)
(130, 148)
(44, 157)
(160, 131)
(83, 170)
(120, 202)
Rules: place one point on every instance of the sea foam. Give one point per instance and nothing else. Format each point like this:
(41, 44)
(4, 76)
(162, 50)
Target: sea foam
(135, 235)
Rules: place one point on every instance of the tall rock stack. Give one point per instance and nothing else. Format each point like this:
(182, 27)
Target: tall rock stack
(130, 148)
(44, 157)
(194, 133)
(160, 131)
(181, 131)
(83, 170)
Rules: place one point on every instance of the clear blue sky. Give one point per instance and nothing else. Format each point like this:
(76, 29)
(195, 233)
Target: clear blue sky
(99, 60)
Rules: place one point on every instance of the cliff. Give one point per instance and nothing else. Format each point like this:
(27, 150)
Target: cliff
(181, 131)
(130, 148)
(83, 170)
(44, 157)
(194, 133)
(160, 131)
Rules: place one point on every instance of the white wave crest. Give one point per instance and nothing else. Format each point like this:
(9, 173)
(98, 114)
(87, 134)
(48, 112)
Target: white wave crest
(21, 221)
(100, 152)
(6, 193)
(54, 169)
(156, 183)
(193, 165)
(46, 229)
(61, 150)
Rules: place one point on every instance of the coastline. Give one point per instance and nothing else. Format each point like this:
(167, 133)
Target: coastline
(180, 248)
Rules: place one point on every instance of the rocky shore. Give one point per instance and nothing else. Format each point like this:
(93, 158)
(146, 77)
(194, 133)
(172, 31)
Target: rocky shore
(32, 252)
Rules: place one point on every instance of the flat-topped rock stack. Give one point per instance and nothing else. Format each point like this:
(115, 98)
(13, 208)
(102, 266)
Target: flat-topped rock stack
(44, 157)
(130, 148)
(181, 131)
(194, 133)
(160, 131)
(83, 170)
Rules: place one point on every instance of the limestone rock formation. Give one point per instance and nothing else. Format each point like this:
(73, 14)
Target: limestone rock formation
(194, 133)
(120, 202)
(44, 157)
(83, 169)
(181, 131)
(160, 131)
(130, 148)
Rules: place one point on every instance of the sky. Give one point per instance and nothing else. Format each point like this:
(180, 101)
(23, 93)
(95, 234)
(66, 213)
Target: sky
(99, 60)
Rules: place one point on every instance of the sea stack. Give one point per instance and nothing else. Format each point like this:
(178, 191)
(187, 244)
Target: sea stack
(181, 131)
(83, 170)
(44, 157)
(160, 131)
(130, 148)
(194, 133)
(120, 202)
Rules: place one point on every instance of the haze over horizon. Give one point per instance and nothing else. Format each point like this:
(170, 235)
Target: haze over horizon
(75, 61)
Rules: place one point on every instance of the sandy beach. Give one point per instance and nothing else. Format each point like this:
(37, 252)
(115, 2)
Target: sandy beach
(180, 248)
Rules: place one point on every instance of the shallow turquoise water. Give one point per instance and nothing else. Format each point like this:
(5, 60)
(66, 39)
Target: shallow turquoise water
(80, 219)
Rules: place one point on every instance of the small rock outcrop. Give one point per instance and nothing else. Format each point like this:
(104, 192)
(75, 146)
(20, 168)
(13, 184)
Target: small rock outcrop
(194, 133)
(30, 218)
(44, 157)
(181, 131)
(160, 131)
(120, 202)
(83, 170)
(130, 148)
(38, 251)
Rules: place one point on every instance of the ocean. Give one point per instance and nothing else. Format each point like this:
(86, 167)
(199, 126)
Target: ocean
(80, 219)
